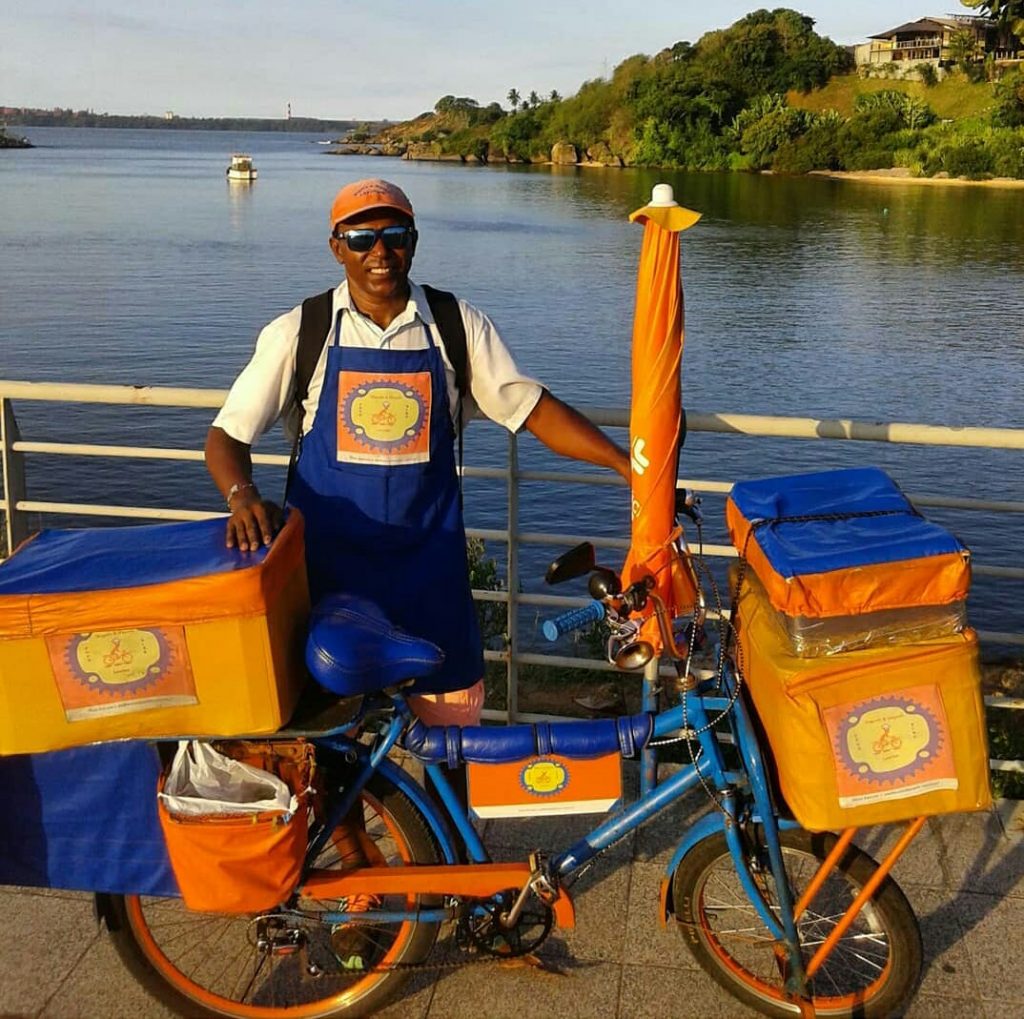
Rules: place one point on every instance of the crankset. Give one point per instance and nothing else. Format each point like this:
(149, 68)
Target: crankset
(484, 925)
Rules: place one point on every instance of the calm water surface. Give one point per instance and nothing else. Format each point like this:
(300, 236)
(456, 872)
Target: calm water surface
(125, 257)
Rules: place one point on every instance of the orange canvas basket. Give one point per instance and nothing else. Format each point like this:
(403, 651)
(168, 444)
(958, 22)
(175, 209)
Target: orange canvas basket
(244, 863)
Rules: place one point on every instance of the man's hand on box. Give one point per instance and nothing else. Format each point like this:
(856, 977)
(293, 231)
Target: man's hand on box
(253, 522)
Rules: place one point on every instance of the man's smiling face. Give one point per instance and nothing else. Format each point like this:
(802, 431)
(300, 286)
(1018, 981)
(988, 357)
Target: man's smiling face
(382, 273)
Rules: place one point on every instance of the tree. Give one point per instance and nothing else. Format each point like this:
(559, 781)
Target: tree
(1006, 14)
(963, 49)
(912, 112)
(514, 99)
(554, 97)
(533, 99)
(1009, 105)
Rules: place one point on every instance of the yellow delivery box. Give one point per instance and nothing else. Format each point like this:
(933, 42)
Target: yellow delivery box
(870, 736)
(151, 631)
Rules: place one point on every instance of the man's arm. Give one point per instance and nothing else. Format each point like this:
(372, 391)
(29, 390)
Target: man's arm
(253, 521)
(567, 432)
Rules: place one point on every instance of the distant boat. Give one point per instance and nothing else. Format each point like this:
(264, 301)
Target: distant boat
(241, 168)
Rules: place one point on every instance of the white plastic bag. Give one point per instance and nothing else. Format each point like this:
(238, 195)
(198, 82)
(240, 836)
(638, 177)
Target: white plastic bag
(204, 782)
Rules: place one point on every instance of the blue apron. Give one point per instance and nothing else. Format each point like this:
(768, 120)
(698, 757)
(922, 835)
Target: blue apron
(377, 485)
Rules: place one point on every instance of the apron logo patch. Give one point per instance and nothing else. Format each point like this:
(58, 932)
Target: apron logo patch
(384, 420)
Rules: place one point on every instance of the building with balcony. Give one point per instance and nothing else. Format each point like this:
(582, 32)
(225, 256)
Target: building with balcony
(938, 41)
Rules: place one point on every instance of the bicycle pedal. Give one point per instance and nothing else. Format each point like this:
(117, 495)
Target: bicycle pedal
(532, 961)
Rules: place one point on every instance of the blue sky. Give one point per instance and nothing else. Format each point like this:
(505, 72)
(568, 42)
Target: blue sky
(335, 59)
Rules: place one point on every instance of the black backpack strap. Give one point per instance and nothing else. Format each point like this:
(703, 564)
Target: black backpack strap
(313, 329)
(444, 306)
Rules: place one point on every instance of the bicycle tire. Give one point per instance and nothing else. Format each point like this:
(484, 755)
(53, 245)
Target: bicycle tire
(154, 939)
(872, 973)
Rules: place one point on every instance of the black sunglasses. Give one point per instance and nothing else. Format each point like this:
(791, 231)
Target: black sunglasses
(395, 238)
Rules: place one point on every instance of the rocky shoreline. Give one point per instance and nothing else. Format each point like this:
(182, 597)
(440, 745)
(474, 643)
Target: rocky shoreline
(601, 157)
(562, 154)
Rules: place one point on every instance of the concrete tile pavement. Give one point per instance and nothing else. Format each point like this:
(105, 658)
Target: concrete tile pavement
(964, 877)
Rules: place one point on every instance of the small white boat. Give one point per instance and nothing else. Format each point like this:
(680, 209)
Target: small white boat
(241, 168)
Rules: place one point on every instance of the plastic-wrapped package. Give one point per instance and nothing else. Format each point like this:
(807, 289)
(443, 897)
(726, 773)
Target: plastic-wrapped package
(847, 562)
(814, 636)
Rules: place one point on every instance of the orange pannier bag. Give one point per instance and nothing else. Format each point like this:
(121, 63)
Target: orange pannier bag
(871, 736)
(244, 863)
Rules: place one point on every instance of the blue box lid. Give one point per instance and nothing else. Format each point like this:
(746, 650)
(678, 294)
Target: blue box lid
(857, 517)
(107, 558)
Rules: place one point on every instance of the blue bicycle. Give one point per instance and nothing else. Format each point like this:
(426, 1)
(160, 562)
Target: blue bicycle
(789, 922)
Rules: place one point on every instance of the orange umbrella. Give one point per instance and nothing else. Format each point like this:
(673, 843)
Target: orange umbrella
(656, 411)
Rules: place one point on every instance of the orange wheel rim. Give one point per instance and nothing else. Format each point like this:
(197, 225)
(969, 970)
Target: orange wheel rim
(828, 1002)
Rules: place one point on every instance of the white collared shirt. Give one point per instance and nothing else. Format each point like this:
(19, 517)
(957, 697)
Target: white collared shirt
(264, 389)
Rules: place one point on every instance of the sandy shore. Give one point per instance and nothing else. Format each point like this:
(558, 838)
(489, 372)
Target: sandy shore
(899, 175)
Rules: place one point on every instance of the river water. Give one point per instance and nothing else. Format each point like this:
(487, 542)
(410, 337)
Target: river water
(125, 257)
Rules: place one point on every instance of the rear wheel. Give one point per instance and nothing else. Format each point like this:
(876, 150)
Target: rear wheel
(210, 964)
(873, 970)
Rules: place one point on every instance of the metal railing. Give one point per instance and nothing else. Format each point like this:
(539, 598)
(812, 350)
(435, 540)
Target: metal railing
(16, 503)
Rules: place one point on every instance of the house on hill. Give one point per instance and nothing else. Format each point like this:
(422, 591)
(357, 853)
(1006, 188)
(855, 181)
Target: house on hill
(935, 40)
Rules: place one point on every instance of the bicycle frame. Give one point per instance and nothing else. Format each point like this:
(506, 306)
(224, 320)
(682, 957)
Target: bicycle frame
(742, 798)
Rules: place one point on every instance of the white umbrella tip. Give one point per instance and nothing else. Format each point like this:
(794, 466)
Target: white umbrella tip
(662, 196)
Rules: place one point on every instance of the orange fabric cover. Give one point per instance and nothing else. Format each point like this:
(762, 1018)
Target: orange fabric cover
(242, 864)
(549, 784)
(929, 580)
(869, 736)
(236, 665)
(655, 414)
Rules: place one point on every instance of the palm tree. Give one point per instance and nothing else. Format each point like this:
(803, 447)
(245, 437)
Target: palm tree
(554, 97)
(1005, 13)
(534, 100)
(514, 99)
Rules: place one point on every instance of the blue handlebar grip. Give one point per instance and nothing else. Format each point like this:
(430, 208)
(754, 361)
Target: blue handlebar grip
(574, 619)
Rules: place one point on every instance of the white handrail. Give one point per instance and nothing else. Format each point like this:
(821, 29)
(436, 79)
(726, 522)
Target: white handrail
(14, 499)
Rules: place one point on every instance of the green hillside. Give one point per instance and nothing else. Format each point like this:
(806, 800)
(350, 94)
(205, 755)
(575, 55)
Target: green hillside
(766, 93)
(953, 98)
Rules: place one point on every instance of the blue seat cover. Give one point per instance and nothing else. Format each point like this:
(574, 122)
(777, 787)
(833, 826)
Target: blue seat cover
(799, 548)
(499, 744)
(104, 558)
(352, 648)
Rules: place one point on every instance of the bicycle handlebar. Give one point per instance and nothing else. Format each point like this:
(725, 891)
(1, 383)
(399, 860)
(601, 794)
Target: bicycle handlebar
(573, 619)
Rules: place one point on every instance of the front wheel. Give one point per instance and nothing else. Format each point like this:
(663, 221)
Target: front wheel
(210, 964)
(873, 970)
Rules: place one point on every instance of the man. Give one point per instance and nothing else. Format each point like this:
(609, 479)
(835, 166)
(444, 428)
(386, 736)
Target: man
(376, 476)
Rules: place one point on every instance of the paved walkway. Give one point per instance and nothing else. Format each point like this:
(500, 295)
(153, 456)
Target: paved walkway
(964, 876)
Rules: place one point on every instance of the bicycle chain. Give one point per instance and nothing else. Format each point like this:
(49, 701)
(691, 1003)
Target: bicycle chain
(482, 958)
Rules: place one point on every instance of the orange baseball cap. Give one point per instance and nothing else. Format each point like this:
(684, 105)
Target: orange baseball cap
(362, 195)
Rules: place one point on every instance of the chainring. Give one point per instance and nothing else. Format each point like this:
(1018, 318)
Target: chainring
(482, 928)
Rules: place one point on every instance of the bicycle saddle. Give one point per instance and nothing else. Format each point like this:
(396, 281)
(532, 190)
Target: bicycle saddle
(353, 648)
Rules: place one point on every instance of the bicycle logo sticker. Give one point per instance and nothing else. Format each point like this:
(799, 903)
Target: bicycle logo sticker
(891, 747)
(544, 777)
(113, 672)
(383, 420)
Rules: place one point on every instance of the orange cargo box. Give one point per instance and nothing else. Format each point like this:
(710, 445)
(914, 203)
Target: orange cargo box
(147, 632)
(871, 736)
